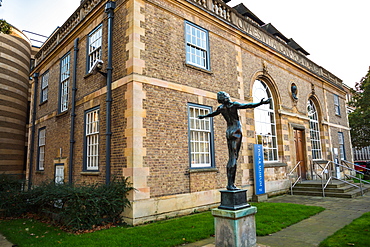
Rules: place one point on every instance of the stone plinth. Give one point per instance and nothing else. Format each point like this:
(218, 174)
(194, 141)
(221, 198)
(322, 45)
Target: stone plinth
(233, 199)
(235, 228)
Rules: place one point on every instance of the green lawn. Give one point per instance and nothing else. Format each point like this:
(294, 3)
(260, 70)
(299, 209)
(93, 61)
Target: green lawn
(271, 217)
(355, 234)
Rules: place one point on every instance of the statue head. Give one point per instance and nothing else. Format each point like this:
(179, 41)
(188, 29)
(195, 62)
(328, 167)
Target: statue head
(223, 97)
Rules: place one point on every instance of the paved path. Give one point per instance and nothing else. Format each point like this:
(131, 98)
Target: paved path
(4, 242)
(310, 232)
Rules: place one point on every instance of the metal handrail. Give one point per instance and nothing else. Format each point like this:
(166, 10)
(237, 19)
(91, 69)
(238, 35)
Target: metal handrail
(325, 168)
(356, 171)
(298, 179)
(324, 186)
(328, 169)
(314, 170)
(354, 165)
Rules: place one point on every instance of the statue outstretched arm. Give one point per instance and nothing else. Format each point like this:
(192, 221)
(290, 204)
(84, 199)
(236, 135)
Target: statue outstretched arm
(212, 114)
(253, 105)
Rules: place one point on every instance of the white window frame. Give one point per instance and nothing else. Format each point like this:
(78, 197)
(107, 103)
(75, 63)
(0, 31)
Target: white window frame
(44, 87)
(59, 173)
(200, 137)
(265, 122)
(342, 149)
(316, 149)
(336, 105)
(41, 149)
(92, 140)
(64, 83)
(197, 46)
(94, 50)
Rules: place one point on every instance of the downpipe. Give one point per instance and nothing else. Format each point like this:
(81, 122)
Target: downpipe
(109, 9)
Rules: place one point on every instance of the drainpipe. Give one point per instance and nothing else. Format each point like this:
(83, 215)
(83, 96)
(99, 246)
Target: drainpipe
(73, 114)
(32, 148)
(109, 9)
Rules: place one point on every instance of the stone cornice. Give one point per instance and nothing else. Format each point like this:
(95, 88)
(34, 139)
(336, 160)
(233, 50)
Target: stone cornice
(216, 8)
(222, 11)
(62, 32)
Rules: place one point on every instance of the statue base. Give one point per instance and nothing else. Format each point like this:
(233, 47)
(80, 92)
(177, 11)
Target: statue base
(235, 228)
(233, 199)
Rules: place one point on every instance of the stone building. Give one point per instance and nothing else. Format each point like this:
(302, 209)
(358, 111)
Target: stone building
(119, 85)
(15, 55)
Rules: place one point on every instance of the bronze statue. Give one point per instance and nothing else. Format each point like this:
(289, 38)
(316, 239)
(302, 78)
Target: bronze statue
(229, 111)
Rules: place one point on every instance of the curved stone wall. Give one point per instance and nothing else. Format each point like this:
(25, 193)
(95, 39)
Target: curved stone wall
(15, 54)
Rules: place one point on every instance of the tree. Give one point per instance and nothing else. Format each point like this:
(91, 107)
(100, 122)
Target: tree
(5, 27)
(359, 119)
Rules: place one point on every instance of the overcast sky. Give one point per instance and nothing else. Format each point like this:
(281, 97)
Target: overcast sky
(335, 33)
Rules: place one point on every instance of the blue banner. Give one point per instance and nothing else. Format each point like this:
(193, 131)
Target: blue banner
(259, 173)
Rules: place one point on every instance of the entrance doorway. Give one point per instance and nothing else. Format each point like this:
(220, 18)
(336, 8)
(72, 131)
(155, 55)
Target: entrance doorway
(299, 142)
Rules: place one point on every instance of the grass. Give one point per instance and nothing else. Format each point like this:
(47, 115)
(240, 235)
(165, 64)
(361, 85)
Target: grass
(356, 233)
(270, 218)
(359, 176)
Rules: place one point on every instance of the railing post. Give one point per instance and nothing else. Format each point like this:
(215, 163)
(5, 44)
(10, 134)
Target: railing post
(291, 187)
(322, 187)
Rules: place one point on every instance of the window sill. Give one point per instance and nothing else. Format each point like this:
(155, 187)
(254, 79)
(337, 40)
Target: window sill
(198, 68)
(43, 103)
(97, 173)
(88, 75)
(275, 164)
(62, 113)
(197, 170)
(40, 172)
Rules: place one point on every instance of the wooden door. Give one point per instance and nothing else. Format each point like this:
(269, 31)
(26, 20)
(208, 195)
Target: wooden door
(299, 142)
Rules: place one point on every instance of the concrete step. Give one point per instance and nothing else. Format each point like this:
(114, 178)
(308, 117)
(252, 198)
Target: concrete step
(350, 194)
(341, 189)
(318, 184)
(334, 189)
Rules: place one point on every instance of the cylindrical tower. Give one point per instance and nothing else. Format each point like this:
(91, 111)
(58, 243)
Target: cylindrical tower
(15, 55)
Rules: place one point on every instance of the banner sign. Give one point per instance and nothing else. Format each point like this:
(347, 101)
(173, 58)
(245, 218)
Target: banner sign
(259, 173)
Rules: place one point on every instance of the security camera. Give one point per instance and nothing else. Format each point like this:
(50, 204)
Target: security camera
(96, 67)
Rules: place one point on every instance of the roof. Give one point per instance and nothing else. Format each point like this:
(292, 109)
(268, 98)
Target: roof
(244, 11)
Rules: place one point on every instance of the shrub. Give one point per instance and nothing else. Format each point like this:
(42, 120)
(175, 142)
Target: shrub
(78, 207)
(12, 198)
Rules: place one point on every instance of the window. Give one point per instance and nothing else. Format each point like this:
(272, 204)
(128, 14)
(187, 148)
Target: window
(94, 46)
(44, 87)
(336, 105)
(200, 137)
(92, 140)
(265, 124)
(41, 150)
(64, 83)
(59, 173)
(314, 130)
(341, 146)
(197, 47)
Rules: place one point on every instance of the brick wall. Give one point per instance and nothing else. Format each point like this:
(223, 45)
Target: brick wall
(164, 86)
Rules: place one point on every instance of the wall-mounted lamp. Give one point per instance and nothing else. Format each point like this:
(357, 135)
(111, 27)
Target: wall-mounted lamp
(96, 67)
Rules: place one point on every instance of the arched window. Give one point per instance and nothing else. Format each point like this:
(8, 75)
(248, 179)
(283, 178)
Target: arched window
(264, 120)
(314, 130)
